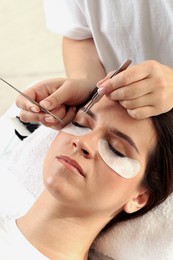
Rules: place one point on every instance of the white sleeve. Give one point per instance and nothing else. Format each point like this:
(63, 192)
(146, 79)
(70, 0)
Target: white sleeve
(66, 18)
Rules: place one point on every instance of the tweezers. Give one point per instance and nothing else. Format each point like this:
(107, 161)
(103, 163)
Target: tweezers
(33, 101)
(96, 97)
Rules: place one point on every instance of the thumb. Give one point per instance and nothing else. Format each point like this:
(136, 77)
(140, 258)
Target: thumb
(59, 97)
(50, 102)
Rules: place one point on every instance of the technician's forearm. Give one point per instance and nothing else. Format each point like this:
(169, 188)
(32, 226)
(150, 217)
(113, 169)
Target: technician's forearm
(81, 60)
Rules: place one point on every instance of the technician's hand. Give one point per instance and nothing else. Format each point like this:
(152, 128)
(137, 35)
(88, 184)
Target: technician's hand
(144, 90)
(60, 96)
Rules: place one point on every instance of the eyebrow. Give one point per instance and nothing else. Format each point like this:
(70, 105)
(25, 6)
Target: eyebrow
(123, 136)
(89, 113)
(126, 138)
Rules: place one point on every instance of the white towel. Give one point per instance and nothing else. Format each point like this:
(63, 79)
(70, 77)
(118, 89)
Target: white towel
(149, 237)
(26, 160)
(15, 200)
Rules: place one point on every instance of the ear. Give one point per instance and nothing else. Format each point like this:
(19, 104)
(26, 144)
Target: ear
(137, 202)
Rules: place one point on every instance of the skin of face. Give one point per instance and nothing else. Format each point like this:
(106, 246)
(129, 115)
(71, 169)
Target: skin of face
(77, 177)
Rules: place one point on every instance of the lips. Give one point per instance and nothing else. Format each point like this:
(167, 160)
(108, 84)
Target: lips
(71, 162)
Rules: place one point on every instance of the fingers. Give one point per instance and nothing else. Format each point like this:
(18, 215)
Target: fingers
(31, 92)
(68, 117)
(25, 104)
(132, 91)
(58, 97)
(144, 90)
(48, 120)
(100, 82)
(28, 116)
(141, 112)
(151, 104)
(137, 102)
(130, 75)
(146, 106)
(38, 92)
(55, 95)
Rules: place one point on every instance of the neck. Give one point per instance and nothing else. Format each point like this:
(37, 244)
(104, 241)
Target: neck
(56, 232)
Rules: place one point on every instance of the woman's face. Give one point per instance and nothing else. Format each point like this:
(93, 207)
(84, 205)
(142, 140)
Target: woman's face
(97, 164)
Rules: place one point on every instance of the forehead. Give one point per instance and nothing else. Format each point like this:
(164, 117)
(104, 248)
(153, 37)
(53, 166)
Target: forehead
(112, 115)
(112, 112)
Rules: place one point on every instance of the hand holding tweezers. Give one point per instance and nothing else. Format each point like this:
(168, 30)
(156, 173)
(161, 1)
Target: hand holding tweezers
(96, 97)
(33, 101)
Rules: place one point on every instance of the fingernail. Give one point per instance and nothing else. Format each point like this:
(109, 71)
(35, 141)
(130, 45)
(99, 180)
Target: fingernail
(35, 109)
(131, 113)
(45, 103)
(102, 91)
(49, 119)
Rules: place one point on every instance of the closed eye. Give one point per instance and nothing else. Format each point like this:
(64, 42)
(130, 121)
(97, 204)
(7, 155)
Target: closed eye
(77, 124)
(109, 145)
(115, 151)
(76, 129)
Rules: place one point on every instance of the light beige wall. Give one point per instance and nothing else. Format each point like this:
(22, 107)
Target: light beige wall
(28, 50)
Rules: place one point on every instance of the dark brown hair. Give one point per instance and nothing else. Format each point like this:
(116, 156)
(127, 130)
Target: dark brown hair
(158, 177)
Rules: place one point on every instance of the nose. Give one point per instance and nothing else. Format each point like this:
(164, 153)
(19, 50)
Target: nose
(84, 146)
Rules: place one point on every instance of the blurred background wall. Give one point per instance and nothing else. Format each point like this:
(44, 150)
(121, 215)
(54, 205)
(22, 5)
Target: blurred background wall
(28, 50)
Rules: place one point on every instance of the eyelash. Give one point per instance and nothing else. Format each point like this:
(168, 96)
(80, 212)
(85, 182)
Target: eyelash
(110, 146)
(77, 124)
(116, 151)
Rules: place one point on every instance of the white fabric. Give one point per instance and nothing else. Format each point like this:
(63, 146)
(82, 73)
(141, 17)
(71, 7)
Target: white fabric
(13, 245)
(136, 29)
(15, 200)
(8, 139)
(26, 160)
(149, 237)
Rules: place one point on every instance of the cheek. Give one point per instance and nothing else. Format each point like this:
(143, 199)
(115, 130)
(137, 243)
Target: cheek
(58, 146)
(49, 167)
(59, 143)
(124, 166)
(109, 183)
(109, 191)
(105, 179)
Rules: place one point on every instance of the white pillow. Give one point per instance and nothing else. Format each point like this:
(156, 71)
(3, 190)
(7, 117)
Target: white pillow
(149, 237)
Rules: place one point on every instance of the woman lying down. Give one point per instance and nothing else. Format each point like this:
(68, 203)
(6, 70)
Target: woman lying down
(102, 168)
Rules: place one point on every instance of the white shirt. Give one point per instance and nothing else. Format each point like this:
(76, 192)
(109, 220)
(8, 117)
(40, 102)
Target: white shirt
(13, 244)
(136, 29)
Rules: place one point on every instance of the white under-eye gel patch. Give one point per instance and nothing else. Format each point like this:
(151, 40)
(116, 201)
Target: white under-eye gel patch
(124, 166)
(75, 130)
